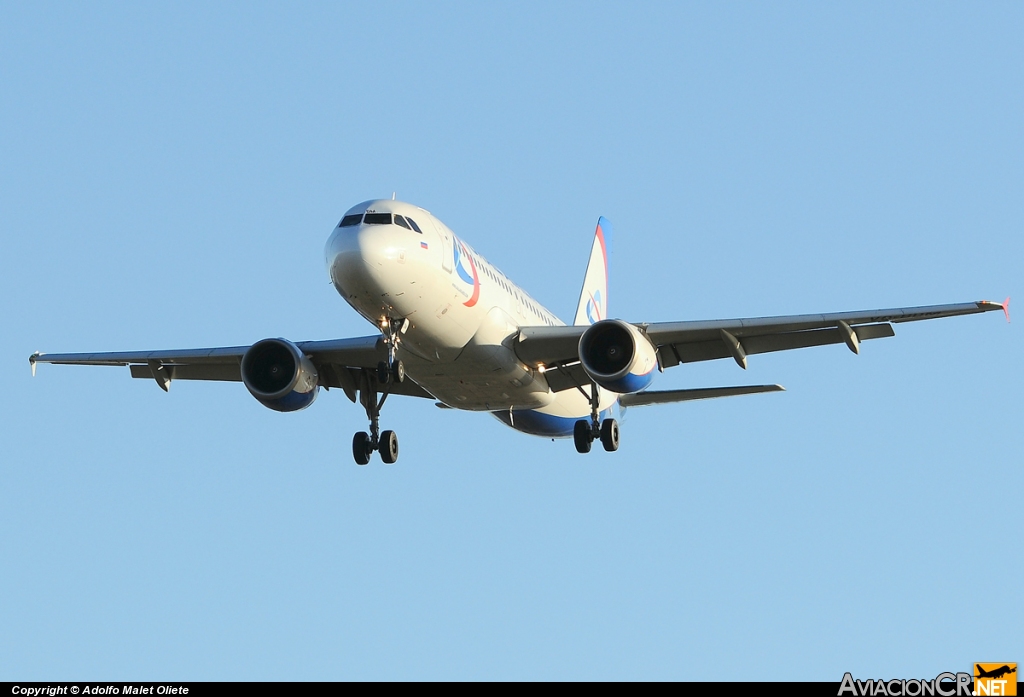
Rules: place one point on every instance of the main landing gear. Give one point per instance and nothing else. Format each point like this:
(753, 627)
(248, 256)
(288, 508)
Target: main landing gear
(385, 442)
(585, 432)
(389, 372)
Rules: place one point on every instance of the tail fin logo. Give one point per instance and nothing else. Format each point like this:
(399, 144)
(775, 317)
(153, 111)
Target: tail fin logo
(595, 309)
(593, 304)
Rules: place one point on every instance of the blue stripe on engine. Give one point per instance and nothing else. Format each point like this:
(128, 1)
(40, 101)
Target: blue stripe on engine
(293, 401)
(629, 383)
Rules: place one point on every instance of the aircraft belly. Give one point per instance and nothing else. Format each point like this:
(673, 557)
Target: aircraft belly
(480, 386)
(482, 396)
(557, 419)
(486, 375)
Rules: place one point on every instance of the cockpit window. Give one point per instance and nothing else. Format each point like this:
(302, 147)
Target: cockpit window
(399, 220)
(350, 220)
(377, 219)
(414, 225)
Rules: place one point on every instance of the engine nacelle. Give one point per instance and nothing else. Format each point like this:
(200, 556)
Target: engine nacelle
(617, 356)
(279, 375)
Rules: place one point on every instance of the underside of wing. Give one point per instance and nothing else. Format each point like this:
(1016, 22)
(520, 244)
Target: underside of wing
(687, 342)
(556, 349)
(349, 364)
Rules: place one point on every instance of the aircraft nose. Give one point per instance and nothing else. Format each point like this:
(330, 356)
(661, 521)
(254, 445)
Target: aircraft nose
(358, 257)
(342, 250)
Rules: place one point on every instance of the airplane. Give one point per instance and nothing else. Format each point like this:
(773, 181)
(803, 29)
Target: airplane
(452, 328)
(995, 673)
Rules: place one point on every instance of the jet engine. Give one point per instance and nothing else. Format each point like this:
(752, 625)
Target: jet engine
(617, 356)
(279, 375)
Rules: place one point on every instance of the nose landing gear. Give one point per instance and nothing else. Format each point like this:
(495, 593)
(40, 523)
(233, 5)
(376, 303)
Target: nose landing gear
(389, 372)
(584, 432)
(392, 370)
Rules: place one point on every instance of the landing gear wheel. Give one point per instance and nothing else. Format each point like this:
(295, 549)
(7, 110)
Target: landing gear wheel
(361, 448)
(582, 436)
(398, 372)
(388, 447)
(610, 435)
(383, 373)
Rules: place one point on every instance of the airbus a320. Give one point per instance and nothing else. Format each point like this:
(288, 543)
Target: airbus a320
(452, 328)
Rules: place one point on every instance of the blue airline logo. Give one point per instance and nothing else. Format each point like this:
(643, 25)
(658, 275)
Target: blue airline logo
(469, 275)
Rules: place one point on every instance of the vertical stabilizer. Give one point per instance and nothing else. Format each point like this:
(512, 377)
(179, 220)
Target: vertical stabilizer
(593, 305)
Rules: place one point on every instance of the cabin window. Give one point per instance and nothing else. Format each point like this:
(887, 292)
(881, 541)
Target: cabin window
(414, 225)
(350, 220)
(377, 219)
(399, 220)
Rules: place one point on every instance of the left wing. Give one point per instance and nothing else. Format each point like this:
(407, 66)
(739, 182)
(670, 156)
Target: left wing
(556, 349)
(344, 363)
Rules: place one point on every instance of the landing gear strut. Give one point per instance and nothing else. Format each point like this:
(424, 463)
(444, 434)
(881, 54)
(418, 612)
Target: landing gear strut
(585, 432)
(391, 371)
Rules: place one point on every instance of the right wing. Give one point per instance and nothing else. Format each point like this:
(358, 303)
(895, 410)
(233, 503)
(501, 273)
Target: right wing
(346, 363)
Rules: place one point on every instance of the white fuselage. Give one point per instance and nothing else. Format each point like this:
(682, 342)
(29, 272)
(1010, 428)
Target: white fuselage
(462, 313)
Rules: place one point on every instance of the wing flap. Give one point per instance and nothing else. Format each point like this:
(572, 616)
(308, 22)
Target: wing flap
(548, 345)
(693, 351)
(226, 372)
(564, 377)
(672, 332)
(353, 379)
(359, 352)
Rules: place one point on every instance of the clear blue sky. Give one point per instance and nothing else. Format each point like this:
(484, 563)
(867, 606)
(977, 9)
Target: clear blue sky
(169, 174)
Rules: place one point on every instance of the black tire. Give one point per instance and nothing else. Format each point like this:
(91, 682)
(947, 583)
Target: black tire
(383, 373)
(361, 448)
(581, 436)
(398, 372)
(388, 447)
(610, 435)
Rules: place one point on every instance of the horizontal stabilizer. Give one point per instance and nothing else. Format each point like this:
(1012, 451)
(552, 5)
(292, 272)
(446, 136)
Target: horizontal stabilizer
(667, 396)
